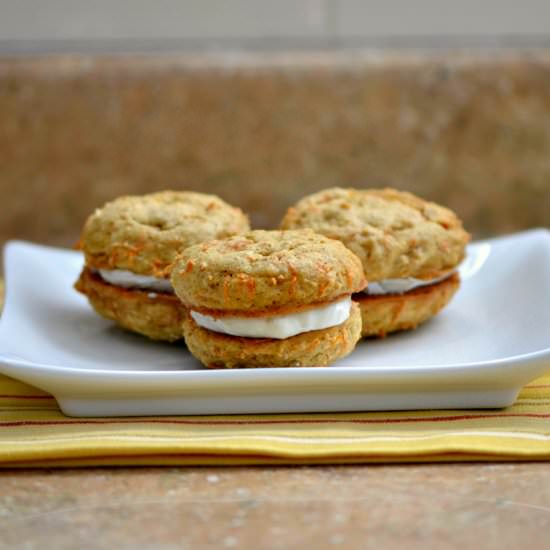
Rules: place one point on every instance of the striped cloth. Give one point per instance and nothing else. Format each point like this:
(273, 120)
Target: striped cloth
(33, 432)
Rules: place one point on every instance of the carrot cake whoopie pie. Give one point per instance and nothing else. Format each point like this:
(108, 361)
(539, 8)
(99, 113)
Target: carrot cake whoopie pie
(409, 248)
(130, 245)
(269, 299)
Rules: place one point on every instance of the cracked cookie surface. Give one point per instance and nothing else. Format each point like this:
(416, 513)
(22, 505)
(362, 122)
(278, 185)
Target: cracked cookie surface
(143, 234)
(394, 233)
(271, 271)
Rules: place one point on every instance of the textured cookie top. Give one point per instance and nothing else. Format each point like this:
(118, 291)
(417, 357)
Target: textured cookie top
(266, 271)
(394, 233)
(143, 234)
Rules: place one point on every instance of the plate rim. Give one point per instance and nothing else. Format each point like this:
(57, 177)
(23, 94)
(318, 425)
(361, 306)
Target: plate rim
(525, 359)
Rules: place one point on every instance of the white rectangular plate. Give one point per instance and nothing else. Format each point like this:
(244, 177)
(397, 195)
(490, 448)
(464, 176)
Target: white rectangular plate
(478, 353)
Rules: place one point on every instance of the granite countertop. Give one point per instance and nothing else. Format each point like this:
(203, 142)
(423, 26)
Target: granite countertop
(468, 129)
(490, 506)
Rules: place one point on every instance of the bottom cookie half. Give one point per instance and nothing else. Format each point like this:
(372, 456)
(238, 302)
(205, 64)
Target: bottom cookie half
(158, 316)
(382, 315)
(317, 348)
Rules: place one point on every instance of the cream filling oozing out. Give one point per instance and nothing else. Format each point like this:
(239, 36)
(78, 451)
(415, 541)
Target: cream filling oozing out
(278, 326)
(127, 279)
(400, 286)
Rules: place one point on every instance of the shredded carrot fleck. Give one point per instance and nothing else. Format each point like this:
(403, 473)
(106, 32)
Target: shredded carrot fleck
(225, 288)
(323, 267)
(398, 310)
(293, 279)
(189, 267)
(349, 278)
(251, 285)
(249, 282)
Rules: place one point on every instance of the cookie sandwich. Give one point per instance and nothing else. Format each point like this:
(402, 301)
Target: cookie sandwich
(269, 299)
(129, 247)
(410, 250)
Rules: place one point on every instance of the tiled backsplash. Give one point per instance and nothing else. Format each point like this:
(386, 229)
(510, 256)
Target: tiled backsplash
(469, 130)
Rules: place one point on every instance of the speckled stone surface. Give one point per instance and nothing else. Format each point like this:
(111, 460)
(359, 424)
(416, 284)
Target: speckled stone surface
(495, 507)
(471, 130)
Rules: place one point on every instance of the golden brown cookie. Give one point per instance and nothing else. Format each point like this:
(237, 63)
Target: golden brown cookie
(143, 234)
(269, 298)
(130, 245)
(403, 242)
(309, 349)
(156, 315)
(266, 271)
(384, 314)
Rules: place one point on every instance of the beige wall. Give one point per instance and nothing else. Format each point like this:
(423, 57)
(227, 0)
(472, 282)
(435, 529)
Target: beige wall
(32, 23)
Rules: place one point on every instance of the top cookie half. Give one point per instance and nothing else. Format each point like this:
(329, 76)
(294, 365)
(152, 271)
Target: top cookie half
(395, 234)
(266, 271)
(143, 234)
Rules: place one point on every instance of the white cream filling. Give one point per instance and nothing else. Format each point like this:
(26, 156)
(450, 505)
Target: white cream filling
(127, 279)
(400, 286)
(278, 326)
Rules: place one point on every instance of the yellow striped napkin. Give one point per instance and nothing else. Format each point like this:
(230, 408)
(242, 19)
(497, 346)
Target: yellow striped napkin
(33, 432)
